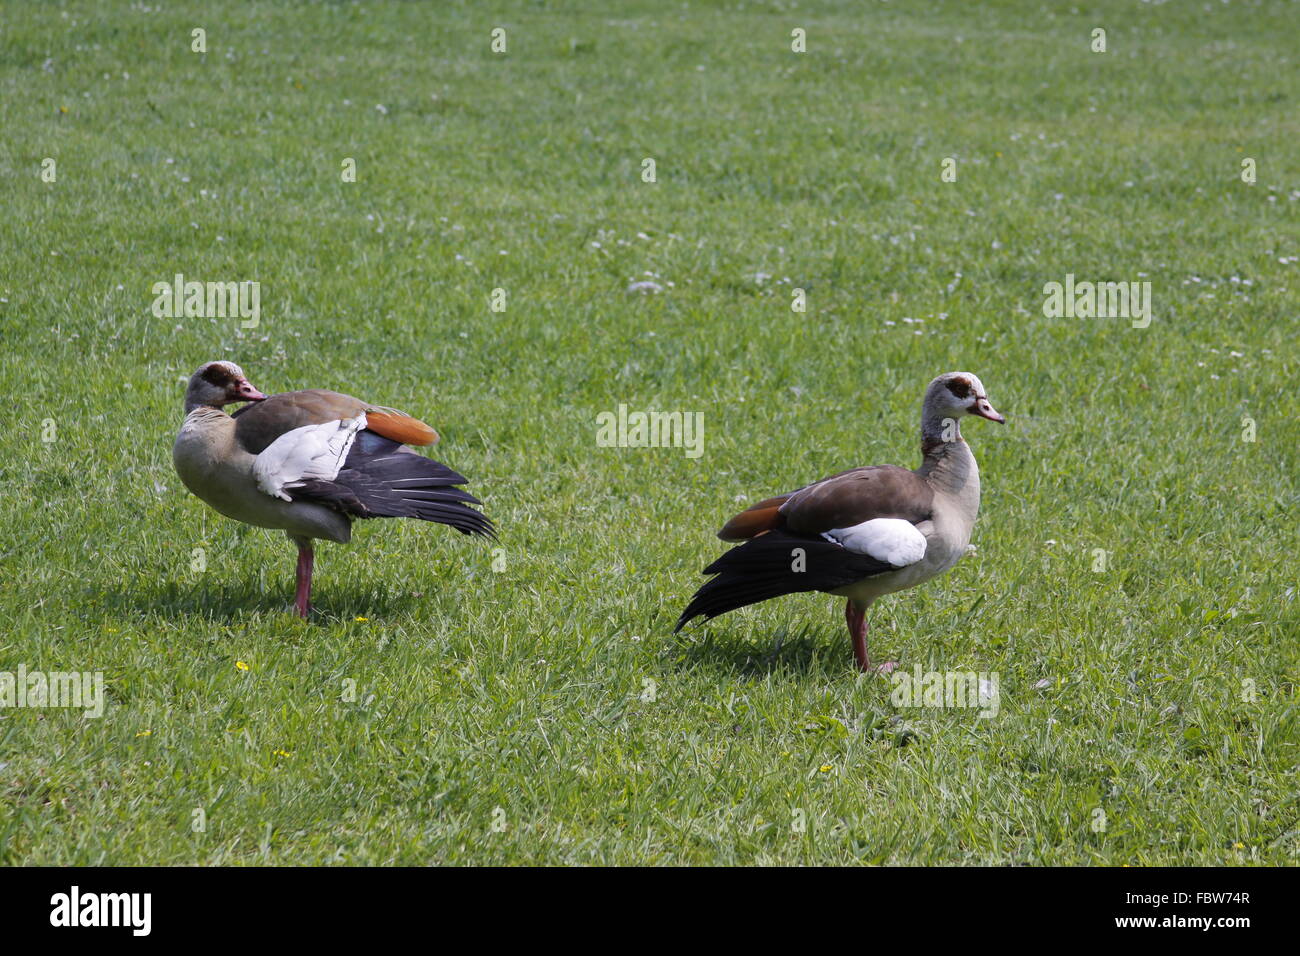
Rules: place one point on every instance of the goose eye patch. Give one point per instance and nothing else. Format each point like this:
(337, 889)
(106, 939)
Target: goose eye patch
(960, 387)
(219, 375)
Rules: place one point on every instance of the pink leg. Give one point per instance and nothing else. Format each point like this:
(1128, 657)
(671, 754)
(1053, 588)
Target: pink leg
(856, 619)
(306, 556)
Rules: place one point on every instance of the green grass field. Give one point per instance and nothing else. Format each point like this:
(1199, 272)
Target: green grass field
(545, 712)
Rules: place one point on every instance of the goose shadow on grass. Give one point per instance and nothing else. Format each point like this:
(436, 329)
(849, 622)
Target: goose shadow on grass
(212, 601)
(749, 649)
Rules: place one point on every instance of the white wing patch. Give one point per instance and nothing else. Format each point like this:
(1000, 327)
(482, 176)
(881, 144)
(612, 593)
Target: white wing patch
(313, 451)
(891, 540)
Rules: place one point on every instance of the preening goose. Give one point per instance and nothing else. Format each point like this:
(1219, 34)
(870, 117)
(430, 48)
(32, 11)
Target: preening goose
(309, 462)
(862, 533)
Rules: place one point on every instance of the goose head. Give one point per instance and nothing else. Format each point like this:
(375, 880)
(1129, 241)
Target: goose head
(955, 395)
(218, 384)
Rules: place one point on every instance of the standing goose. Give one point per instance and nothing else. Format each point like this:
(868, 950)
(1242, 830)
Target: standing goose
(862, 533)
(309, 462)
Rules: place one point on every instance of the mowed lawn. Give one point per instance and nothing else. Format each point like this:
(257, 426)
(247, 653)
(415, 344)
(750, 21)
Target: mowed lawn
(452, 704)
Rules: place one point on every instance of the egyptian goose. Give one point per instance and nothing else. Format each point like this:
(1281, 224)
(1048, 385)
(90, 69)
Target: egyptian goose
(309, 462)
(862, 533)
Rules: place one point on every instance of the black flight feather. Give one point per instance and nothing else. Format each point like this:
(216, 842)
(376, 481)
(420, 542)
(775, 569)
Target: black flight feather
(381, 478)
(769, 566)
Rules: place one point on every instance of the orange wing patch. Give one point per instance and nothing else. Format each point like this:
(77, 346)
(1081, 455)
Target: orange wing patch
(395, 426)
(754, 520)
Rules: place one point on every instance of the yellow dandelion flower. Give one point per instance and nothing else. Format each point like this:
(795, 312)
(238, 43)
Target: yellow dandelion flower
(825, 768)
(240, 665)
(361, 619)
(145, 733)
(283, 753)
(1239, 846)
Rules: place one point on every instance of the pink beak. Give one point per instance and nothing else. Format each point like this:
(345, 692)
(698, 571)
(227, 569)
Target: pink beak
(984, 410)
(244, 392)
